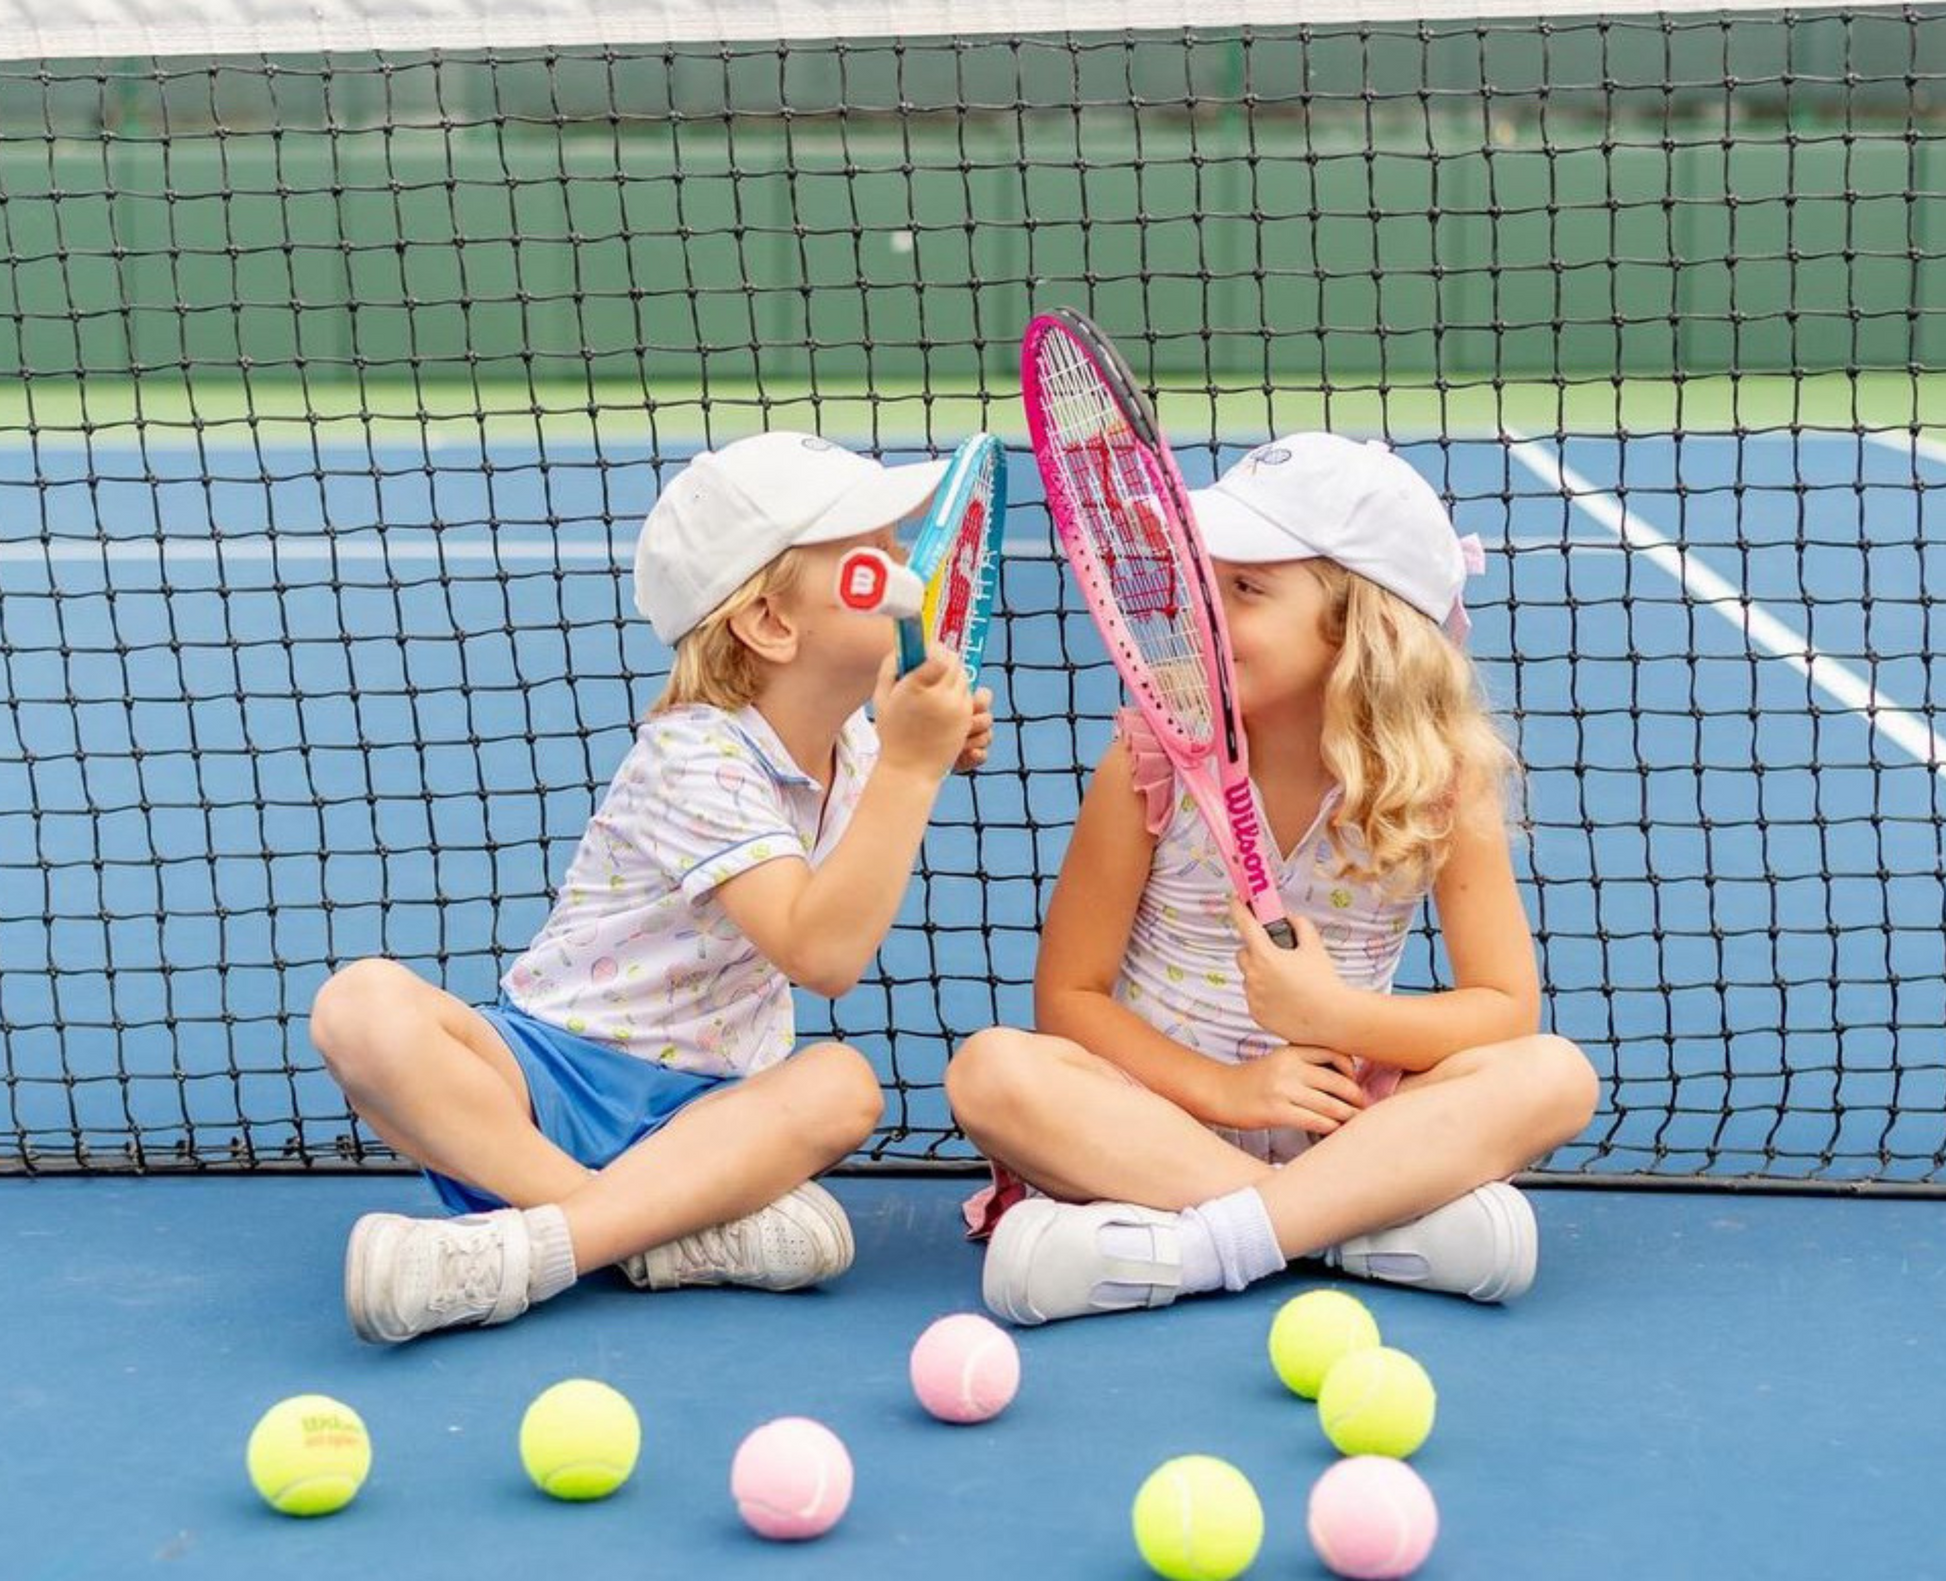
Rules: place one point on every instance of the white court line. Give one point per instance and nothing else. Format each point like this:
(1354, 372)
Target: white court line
(339, 551)
(327, 550)
(1908, 443)
(1897, 724)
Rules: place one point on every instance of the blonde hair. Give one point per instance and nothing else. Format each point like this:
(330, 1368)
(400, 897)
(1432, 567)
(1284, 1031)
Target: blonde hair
(1406, 725)
(712, 665)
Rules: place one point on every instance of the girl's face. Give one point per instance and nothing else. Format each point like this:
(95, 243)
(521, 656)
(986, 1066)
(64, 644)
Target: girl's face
(1275, 614)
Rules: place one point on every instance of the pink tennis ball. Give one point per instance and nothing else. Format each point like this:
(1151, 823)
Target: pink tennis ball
(1373, 1518)
(965, 1368)
(791, 1478)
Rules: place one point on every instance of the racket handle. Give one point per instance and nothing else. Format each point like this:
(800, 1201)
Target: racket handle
(871, 582)
(912, 644)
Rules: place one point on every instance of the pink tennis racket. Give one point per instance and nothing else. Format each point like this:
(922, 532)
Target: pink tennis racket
(1123, 516)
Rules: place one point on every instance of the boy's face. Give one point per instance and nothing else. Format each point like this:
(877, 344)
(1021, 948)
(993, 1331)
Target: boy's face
(847, 644)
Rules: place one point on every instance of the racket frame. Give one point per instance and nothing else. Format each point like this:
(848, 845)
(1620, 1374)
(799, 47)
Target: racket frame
(1214, 767)
(978, 468)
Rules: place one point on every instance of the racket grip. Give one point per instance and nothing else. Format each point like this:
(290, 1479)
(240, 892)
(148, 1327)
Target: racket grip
(912, 645)
(871, 582)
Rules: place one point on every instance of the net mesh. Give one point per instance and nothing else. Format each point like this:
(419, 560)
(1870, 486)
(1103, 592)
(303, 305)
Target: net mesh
(336, 385)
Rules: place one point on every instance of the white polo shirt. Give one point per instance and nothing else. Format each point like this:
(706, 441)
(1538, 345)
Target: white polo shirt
(638, 952)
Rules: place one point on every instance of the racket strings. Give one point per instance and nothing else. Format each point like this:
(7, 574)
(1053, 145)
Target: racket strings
(1119, 508)
(966, 569)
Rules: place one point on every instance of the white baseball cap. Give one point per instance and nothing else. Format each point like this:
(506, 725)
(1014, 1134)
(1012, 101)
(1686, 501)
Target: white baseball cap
(1324, 497)
(730, 512)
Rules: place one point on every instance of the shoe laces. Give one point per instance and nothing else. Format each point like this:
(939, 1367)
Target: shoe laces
(467, 1270)
(718, 1249)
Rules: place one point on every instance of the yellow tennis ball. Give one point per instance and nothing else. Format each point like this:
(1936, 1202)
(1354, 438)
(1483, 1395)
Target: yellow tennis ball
(1312, 1332)
(1377, 1402)
(1198, 1519)
(579, 1440)
(308, 1455)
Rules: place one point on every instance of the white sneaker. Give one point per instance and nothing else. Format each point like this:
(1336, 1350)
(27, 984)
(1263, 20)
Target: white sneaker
(1045, 1261)
(1484, 1245)
(803, 1238)
(405, 1277)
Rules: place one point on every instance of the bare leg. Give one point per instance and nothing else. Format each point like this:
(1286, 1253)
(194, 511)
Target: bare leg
(1070, 1123)
(726, 1155)
(1479, 1116)
(1157, 1205)
(1076, 1127)
(433, 1078)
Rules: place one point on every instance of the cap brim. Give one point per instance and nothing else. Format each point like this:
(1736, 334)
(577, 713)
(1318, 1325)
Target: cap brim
(890, 496)
(1233, 531)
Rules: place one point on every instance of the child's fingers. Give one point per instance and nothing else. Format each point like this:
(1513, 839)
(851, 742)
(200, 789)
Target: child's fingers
(934, 670)
(1336, 1110)
(888, 677)
(943, 672)
(1247, 924)
(1308, 937)
(1336, 1086)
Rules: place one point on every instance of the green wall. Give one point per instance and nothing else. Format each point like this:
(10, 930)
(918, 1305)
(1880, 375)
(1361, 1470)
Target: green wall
(1322, 208)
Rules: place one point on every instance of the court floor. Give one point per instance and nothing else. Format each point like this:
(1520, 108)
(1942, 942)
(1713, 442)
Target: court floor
(1698, 1386)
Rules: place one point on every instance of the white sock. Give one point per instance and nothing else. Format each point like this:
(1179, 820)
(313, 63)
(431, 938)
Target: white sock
(1239, 1232)
(1202, 1263)
(550, 1267)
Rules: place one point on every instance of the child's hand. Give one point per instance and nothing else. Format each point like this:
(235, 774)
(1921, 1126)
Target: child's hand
(1296, 994)
(979, 734)
(925, 718)
(1299, 1085)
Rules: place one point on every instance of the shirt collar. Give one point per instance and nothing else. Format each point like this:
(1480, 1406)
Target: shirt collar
(769, 746)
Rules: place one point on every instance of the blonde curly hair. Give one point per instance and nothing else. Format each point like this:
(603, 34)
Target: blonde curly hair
(1406, 724)
(711, 664)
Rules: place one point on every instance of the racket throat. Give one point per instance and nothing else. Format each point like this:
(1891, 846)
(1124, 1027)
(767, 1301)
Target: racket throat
(1247, 839)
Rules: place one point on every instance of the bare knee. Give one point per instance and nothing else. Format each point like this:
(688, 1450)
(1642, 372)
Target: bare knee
(843, 1102)
(1557, 1085)
(357, 1014)
(1566, 1085)
(994, 1073)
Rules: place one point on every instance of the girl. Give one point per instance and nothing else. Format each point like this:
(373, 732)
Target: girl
(1193, 1115)
(634, 1097)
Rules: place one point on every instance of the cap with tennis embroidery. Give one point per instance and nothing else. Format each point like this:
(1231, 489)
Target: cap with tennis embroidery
(1324, 497)
(730, 512)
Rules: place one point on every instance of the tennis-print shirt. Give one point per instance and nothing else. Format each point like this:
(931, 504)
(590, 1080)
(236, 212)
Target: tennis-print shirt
(1179, 972)
(638, 952)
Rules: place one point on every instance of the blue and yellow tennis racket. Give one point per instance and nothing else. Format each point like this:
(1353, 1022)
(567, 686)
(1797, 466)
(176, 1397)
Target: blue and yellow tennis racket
(944, 592)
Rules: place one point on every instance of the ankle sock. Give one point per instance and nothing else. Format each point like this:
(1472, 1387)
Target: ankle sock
(1238, 1231)
(550, 1266)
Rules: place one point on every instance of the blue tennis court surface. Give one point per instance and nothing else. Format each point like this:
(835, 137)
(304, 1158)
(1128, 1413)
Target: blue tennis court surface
(273, 707)
(1698, 1387)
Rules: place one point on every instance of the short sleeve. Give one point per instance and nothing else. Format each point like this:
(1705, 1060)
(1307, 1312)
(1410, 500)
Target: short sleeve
(705, 806)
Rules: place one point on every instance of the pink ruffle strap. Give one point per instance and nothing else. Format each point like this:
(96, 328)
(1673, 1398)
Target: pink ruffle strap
(1149, 767)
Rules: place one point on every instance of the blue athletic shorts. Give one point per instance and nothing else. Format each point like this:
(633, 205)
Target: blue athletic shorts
(589, 1101)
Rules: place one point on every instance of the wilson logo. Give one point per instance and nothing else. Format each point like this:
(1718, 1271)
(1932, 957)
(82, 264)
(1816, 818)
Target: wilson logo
(1244, 831)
